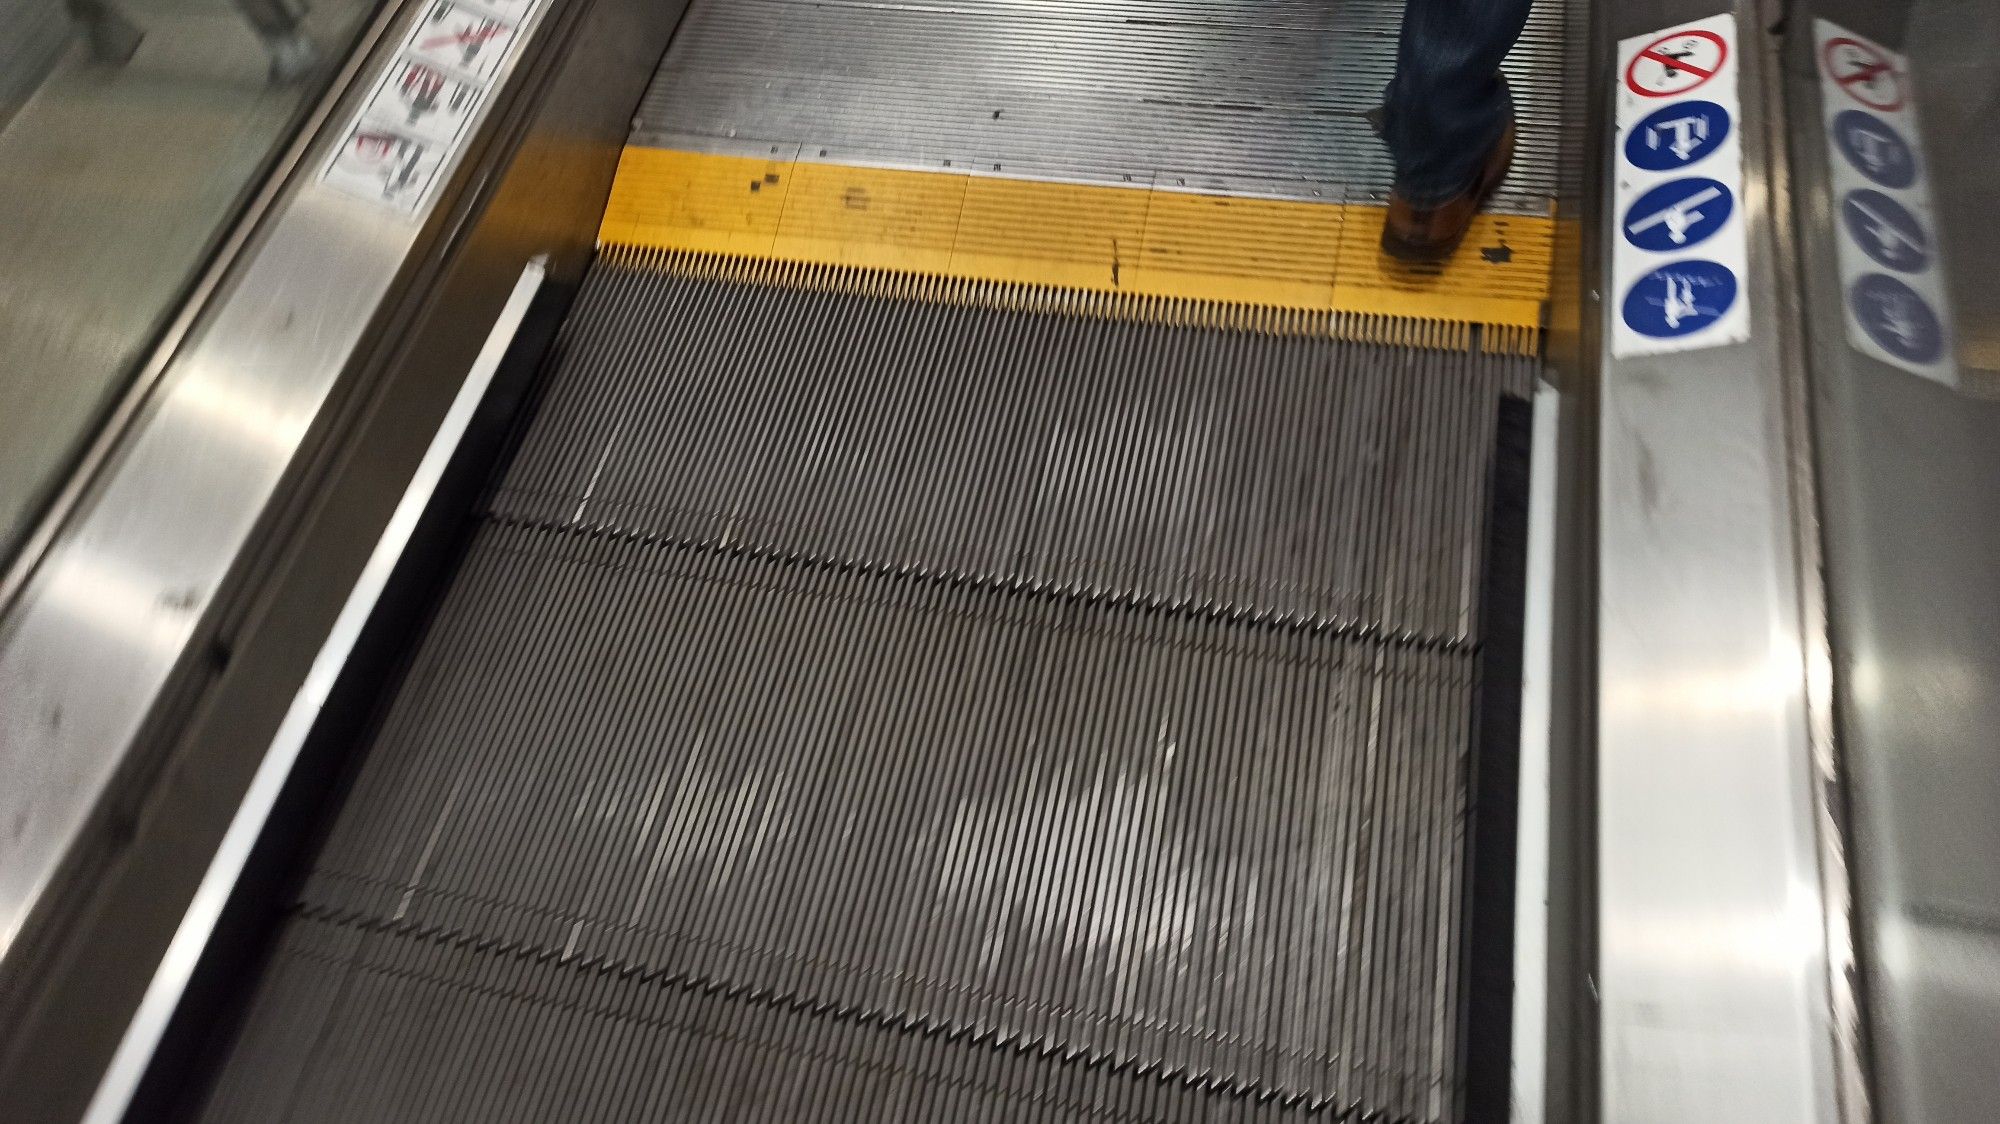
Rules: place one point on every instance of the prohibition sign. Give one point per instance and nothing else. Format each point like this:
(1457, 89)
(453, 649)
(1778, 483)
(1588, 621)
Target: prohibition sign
(1865, 65)
(1675, 63)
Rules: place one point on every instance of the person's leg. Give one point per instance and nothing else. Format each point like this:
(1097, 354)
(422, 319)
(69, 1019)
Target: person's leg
(1448, 110)
(280, 24)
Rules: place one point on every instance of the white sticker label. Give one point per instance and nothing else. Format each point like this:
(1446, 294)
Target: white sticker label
(1891, 279)
(399, 145)
(1680, 255)
(461, 38)
(425, 101)
(386, 165)
(513, 11)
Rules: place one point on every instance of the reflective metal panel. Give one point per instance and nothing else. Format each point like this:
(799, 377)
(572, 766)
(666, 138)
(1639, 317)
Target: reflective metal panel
(1911, 503)
(1712, 963)
(1530, 1096)
(546, 193)
(93, 639)
(114, 1095)
(130, 137)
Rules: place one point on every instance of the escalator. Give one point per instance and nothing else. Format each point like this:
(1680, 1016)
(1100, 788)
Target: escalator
(912, 560)
(1002, 606)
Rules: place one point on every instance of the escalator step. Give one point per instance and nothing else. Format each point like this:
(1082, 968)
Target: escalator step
(1277, 475)
(1200, 91)
(1130, 836)
(858, 709)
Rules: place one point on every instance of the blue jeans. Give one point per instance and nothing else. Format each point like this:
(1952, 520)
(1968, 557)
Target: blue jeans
(1447, 105)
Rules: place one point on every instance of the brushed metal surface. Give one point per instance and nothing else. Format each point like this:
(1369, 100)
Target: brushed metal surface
(1270, 90)
(1712, 970)
(1531, 1099)
(121, 1078)
(119, 183)
(1911, 513)
(548, 190)
(91, 642)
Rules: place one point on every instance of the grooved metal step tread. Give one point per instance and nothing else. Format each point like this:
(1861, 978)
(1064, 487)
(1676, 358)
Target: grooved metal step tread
(1213, 150)
(1233, 854)
(569, 1038)
(1277, 476)
(1214, 92)
(862, 709)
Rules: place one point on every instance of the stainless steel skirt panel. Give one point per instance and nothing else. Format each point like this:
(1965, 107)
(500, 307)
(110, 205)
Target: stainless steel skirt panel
(1205, 92)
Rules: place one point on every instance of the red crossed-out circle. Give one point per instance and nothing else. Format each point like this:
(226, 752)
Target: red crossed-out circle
(1873, 66)
(1651, 53)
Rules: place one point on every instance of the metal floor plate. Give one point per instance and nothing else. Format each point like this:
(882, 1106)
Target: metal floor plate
(854, 709)
(1241, 96)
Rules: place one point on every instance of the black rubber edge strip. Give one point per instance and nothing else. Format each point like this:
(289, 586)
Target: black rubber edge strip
(1491, 837)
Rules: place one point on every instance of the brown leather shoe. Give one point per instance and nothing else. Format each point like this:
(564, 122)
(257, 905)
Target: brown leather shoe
(1430, 234)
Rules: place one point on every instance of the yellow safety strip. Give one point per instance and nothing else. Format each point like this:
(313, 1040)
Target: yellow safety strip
(1150, 248)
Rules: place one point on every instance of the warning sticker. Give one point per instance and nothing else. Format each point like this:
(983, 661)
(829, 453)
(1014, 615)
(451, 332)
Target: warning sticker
(1874, 148)
(1891, 278)
(1679, 213)
(1679, 299)
(396, 149)
(1886, 230)
(1680, 251)
(425, 100)
(463, 39)
(515, 11)
(1862, 71)
(1676, 63)
(384, 164)
(1677, 135)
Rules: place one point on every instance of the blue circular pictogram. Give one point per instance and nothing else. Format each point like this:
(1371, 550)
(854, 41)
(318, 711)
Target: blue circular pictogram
(1679, 299)
(1875, 148)
(1678, 214)
(1677, 135)
(1886, 230)
(1899, 320)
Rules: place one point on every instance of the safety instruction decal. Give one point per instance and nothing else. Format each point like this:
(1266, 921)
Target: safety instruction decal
(399, 144)
(1891, 279)
(1680, 251)
(1676, 62)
